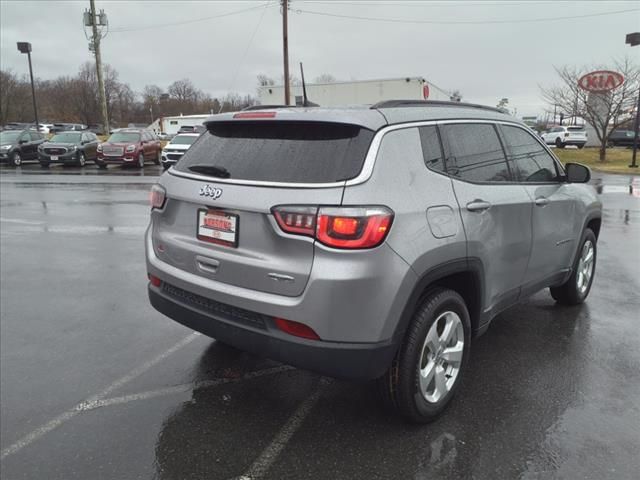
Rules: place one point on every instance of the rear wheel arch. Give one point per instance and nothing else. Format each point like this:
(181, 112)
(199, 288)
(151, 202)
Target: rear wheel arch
(464, 276)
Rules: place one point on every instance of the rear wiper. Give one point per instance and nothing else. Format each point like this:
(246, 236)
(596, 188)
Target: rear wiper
(212, 170)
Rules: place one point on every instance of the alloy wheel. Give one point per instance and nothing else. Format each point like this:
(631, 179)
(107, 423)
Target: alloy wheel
(441, 357)
(585, 267)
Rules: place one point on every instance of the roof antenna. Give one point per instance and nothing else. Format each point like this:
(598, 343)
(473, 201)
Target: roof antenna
(305, 100)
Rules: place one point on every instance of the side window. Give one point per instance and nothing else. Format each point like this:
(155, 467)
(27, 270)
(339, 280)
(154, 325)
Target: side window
(84, 138)
(530, 159)
(26, 137)
(430, 141)
(474, 153)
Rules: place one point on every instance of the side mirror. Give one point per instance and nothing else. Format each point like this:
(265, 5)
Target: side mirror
(577, 173)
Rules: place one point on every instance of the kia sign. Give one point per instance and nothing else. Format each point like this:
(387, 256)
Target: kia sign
(601, 81)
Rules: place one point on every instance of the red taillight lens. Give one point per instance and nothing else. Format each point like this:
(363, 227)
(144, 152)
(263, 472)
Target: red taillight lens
(296, 329)
(359, 227)
(157, 196)
(155, 281)
(296, 220)
(337, 227)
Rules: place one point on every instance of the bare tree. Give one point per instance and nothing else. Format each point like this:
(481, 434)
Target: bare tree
(456, 96)
(603, 111)
(265, 80)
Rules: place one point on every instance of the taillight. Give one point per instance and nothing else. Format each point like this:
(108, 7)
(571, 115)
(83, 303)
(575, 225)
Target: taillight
(337, 227)
(296, 329)
(157, 196)
(296, 220)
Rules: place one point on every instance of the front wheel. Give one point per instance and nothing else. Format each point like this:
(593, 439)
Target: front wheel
(581, 146)
(575, 290)
(82, 160)
(16, 159)
(141, 160)
(559, 143)
(429, 364)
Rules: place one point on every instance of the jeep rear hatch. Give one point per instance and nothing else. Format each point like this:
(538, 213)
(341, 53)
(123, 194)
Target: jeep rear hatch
(224, 229)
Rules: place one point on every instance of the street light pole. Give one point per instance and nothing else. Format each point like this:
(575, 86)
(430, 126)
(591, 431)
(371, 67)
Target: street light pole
(25, 47)
(633, 39)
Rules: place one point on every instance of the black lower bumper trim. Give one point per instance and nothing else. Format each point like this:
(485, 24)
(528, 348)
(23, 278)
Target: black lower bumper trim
(361, 361)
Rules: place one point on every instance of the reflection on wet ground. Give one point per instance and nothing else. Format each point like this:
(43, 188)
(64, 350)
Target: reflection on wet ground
(551, 392)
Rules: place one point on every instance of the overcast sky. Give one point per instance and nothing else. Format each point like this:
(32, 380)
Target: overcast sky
(485, 61)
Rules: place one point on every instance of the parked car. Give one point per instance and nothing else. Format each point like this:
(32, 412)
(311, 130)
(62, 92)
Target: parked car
(67, 127)
(164, 136)
(370, 244)
(16, 146)
(129, 146)
(69, 148)
(621, 138)
(16, 126)
(98, 129)
(173, 151)
(192, 129)
(563, 136)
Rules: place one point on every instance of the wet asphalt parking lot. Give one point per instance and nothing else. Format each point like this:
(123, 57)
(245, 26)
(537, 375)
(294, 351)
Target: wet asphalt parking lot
(95, 384)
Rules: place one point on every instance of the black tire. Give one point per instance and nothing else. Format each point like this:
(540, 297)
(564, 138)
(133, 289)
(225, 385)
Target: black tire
(570, 292)
(44, 164)
(141, 160)
(399, 388)
(16, 159)
(82, 160)
(102, 166)
(559, 143)
(580, 147)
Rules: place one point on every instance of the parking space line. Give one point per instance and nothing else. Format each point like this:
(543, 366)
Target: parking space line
(69, 414)
(269, 455)
(161, 392)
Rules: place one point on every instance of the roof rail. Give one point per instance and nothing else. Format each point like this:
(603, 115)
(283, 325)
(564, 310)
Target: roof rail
(430, 103)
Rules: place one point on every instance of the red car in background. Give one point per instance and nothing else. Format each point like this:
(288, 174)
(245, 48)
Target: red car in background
(129, 146)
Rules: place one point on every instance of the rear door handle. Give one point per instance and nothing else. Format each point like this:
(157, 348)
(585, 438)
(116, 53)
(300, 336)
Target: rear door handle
(207, 265)
(478, 206)
(542, 201)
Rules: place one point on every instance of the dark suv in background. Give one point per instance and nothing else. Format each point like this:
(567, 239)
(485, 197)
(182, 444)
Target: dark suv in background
(69, 148)
(17, 146)
(129, 146)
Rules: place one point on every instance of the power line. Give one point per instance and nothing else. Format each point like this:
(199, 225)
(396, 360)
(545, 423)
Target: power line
(463, 22)
(186, 22)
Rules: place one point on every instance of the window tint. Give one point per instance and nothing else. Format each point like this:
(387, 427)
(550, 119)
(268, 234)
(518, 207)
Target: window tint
(529, 158)
(25, 136)
(300, 152)
(35, 136)
(431, 148)
(475, 153)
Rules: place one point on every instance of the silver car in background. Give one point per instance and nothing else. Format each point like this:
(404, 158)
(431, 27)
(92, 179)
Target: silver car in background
(368, 243)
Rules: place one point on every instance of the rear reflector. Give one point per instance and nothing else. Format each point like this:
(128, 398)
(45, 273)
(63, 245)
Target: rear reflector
(155, 281)
(296, 329)
(255, 115)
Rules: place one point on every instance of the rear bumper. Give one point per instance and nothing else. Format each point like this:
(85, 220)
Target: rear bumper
(341, 360)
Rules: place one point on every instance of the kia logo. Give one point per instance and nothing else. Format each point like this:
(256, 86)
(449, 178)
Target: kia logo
(600, 81)
(209, 191)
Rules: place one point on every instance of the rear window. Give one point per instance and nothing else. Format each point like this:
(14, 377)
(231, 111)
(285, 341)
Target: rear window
(575, 129)
(300, 152)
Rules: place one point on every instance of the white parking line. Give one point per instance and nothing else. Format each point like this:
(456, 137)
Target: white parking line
(72, 412)
(185, 387)
(261, 465)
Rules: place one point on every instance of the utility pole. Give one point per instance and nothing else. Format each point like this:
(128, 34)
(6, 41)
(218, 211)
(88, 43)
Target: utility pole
(95, 42)
(285, 49)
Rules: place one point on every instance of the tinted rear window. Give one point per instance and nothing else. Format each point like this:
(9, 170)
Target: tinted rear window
(575, 129)
(300, 152)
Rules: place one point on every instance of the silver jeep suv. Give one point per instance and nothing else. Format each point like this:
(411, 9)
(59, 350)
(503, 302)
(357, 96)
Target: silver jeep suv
(368, 243)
